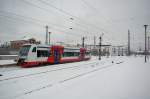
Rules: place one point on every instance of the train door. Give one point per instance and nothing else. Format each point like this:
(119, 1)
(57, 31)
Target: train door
(56, 56)
(82, 53)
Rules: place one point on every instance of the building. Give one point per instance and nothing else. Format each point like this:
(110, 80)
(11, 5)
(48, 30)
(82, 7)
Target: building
(105, 49)
(16, 44)
(119, 50)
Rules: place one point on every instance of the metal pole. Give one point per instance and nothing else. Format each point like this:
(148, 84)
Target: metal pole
(145, 42)
(49, 37)
(94, 41)
(148, 48)
(129, 42)
(118, 51)
(100, 43)
(83, 41)
(46, 40)
(122, 51)
(148, 44)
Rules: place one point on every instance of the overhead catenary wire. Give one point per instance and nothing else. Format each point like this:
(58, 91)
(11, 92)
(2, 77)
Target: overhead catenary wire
(38, 20)
(47, 10)
(15, 21)
(98, 28)
(66, 13)
(96, 12)
(60, 26)
(94, 9)
(62, 11)
(28, 22)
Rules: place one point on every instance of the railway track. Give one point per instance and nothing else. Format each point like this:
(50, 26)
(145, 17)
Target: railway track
(13, 67)
(69, 78)
(9, 69)
(76, 71)
(47, 71)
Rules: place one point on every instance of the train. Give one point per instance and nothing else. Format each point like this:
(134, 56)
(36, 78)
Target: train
(34, 55)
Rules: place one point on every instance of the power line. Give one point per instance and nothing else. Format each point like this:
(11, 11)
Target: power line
(37, 21)
(16, 19)
(62, 11)
(39, 24)
(93, 8)
(13, 19)
(34, 19)
(49, 11)
(33, 5)
(46, 3)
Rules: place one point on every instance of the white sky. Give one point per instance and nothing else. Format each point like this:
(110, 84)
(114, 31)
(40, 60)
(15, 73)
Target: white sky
(90, 17)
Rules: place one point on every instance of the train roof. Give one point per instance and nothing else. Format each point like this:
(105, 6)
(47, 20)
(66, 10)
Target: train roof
(58, 46)
(42, 45)
(74, 48)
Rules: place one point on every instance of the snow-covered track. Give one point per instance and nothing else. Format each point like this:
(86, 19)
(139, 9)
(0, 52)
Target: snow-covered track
(9, 68)
(70, 78)
(30, 80)
(47, 71)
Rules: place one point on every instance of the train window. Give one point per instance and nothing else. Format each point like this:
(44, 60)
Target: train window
(76, 53)
(43, 53)
(24, 50)
(87, 53)
(70, 54)
(34, 49)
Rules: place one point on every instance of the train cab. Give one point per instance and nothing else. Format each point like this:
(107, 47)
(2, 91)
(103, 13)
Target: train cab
(32, 54)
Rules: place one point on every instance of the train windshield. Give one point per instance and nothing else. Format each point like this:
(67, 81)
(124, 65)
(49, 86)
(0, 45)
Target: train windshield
(24, 50)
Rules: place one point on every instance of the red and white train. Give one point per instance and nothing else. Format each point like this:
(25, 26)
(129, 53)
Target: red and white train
(34, 55)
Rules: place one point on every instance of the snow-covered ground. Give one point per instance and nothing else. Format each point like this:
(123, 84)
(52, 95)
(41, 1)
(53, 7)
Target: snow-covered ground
(110, 78)
(4, 65)
(7, 62)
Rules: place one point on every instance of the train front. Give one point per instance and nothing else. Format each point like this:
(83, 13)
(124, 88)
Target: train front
(23, 55)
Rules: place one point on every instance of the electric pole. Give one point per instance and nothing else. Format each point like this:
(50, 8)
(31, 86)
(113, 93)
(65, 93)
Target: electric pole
(83, 41)
(129, 42)
(100, 44)
(148, 44)
(94, 41)
(118, 51)
(46, 40)
(122, 51)
(145, 42)
(49, 37)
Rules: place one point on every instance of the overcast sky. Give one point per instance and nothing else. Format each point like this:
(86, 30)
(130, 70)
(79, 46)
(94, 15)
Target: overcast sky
(113, 18)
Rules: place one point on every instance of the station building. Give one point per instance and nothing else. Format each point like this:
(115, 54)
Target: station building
(16, 44)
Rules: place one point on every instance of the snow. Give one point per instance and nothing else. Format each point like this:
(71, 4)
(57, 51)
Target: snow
(6, 62)
(8, 55)
(124, 78)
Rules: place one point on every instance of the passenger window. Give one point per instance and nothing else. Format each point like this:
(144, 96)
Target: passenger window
(42, 53)
(34, 49)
